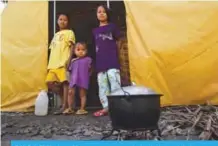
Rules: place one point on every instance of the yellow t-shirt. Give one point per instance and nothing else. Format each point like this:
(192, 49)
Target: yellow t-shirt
(60, 48)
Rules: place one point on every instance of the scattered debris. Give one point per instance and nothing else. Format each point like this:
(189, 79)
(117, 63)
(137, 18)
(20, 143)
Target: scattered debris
(190, 121)
(180, 122)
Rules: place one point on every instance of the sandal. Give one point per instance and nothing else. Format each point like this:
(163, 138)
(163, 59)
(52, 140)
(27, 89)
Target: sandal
(81, 112)
(59, 112)
(100, 113)
(68, 111)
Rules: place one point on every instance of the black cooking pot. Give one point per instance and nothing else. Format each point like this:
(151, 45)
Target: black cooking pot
(134, 108)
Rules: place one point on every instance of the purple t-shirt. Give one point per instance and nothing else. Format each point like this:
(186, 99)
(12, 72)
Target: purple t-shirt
(106, 47)
(79, 70)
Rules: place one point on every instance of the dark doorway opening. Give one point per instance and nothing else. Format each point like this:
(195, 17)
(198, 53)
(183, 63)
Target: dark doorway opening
(82, 21)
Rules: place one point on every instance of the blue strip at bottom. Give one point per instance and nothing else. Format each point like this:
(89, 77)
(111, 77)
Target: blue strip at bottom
(110, 143)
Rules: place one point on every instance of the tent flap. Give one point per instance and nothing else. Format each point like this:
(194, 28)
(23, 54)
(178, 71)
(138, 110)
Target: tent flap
(24, 53)
(173, 48)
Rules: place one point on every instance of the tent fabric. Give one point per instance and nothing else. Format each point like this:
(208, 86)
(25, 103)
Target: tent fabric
(173, 49)
(23, 54)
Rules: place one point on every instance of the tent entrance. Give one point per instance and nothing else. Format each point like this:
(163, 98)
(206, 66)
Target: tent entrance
(82, 20)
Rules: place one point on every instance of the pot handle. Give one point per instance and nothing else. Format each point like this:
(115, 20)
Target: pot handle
(126, 94)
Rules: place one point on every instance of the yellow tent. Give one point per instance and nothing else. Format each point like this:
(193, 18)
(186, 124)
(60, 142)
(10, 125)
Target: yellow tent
(173, 48)
(23, 53)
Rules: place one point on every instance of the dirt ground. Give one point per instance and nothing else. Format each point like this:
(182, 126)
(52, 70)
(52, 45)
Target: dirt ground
(26, 126)
(17, 126)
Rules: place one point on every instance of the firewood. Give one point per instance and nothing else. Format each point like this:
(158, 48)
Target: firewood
(189, 121)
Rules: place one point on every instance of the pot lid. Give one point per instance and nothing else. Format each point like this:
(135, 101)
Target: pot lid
(134, 90)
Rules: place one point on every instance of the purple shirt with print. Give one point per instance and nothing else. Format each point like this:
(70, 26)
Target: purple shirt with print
(79, 72)
(106, 47)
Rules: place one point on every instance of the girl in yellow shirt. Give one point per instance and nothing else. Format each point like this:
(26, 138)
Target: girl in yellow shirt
(61, 51)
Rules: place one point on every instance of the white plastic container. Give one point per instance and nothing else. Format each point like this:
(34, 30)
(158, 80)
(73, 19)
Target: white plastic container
(41, 104)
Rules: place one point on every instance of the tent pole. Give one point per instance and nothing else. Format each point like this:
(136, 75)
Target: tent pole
(108, 4)
(56, 99)
(54, 23)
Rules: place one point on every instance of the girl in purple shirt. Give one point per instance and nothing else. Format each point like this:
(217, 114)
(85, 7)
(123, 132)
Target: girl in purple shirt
(79, 77)
(107, 60)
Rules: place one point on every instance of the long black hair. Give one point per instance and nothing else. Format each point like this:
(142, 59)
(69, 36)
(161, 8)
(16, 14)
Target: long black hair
(68, 18)
(107, 11)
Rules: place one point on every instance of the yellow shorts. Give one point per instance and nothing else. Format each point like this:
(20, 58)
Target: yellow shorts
(58, 75)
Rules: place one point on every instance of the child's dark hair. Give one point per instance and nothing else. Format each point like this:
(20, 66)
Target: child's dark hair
(65, 14)
(82, 43)
(68, 18)
(107, 11)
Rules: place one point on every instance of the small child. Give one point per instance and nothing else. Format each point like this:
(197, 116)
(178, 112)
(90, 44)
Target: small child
(79, 77)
